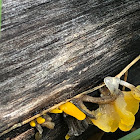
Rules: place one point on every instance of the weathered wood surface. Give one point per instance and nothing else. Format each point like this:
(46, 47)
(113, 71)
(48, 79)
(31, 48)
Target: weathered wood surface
(51, 50)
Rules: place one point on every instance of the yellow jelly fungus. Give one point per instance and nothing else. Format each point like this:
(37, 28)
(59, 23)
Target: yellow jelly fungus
(136, 92)
(40, 120)
(72, 110)
(119, 113)
(67, 137)
(56, 111)
(138, 87)
(124, 127)
(106, 118)
(132, 103)
(126, 116)
(32, 123)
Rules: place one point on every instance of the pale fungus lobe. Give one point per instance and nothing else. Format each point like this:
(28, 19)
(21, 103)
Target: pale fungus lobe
(48, 124)
(47, 117)
(112, 83)
(72, 110)
(38, 136)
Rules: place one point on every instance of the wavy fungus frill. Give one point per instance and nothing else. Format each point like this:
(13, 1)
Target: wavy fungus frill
(119, 113)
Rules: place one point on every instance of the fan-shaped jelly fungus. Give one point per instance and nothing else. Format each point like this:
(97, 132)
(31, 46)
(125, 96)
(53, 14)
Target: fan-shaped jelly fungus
(119, 113)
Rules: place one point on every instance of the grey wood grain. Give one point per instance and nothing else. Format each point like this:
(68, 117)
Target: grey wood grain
(51, 50)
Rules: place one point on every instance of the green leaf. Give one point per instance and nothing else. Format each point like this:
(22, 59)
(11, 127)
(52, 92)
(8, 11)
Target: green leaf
(132, 136)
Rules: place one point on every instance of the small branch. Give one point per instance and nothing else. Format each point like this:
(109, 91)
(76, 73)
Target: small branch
(98, 100)
(125, 79)
(128, 66)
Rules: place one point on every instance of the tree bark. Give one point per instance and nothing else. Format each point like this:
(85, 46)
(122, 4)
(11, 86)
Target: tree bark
(51, 50)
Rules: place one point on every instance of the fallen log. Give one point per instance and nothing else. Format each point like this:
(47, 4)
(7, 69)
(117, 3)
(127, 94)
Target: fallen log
(53, 50)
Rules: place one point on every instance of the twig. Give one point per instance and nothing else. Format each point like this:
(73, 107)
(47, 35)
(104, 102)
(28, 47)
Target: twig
(128, 66)
(125, 79)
